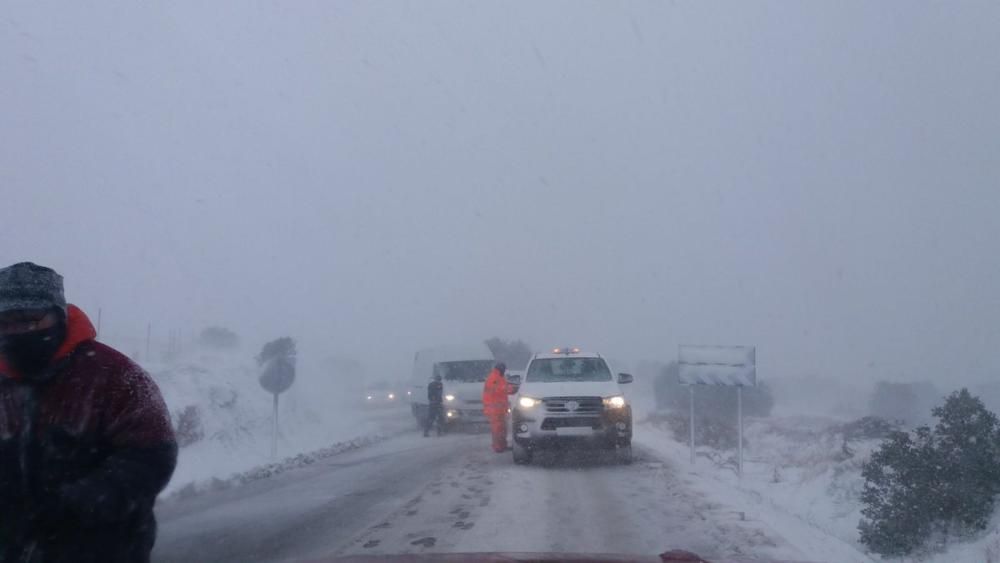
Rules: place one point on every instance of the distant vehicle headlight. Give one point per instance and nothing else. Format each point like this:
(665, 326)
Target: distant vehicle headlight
(392, 396)
(369, 397)
(615, 402)
(449, 397)
(528, 402)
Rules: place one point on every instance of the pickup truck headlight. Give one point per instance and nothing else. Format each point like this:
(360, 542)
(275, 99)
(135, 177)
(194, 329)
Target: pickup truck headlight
(528, 402)
(449, 397)
(615, 402)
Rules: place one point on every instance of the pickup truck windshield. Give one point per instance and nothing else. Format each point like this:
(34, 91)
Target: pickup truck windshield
(465, 372)
(568, 369)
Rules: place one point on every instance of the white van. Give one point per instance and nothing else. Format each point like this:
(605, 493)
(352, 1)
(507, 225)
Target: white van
(463, 371)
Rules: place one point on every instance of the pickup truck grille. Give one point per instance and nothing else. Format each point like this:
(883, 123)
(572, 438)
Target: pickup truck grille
(584, 405)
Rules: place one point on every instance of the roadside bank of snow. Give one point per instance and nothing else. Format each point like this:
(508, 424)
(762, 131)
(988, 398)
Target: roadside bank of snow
(224, 420)
(213, 462)
(269, 470)
(803, 479)
(798, 489)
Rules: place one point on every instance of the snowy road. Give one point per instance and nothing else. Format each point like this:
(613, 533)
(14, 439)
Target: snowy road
(451, 494)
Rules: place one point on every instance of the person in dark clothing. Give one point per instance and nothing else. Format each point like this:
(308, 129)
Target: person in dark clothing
(86, 441)
(435, 405)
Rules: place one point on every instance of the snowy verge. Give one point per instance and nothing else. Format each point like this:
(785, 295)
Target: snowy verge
(800, 492)
(224, 421)
(269, 470)
(802, 479)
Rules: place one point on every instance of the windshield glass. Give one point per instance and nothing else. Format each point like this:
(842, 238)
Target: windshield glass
(464, 372)
(568, 369)
(238, 240)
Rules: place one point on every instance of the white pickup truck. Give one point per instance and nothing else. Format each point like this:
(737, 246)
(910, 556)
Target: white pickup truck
(568, 397)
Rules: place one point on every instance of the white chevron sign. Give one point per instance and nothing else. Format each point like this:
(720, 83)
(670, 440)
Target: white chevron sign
(718, 365)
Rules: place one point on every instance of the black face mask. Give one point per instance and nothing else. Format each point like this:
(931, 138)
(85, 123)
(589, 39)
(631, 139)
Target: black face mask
(31, 352)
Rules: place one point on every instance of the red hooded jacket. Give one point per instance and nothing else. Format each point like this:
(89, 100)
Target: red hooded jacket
(84, 450)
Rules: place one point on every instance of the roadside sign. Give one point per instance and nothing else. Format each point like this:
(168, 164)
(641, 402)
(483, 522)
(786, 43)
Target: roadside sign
(277, 376)
(729, 366)
(718, 365)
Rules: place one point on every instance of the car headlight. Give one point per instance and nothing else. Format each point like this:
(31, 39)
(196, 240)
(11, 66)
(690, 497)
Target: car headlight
(615, 402)
(449, 397)
(528, 402)
(392, 396)
(369, 397)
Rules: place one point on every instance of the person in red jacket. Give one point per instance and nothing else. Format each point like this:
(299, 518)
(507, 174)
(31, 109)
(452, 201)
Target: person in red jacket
(86, 442)
(495, 406)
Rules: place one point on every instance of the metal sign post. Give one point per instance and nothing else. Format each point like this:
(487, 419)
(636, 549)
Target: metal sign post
(691, 425)
(739, 422)
(729, 366)
(274, 430)
(276, 377)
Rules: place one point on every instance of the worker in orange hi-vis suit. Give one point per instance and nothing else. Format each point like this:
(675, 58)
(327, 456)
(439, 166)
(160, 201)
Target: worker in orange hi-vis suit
(495, 406)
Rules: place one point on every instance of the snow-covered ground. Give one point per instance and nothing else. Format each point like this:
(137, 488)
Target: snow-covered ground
(797, 499)
(797, 488)
(800, 481)
(225, 419)
(452, 494)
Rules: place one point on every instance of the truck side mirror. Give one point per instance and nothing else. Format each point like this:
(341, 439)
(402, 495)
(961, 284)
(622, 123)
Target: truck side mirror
(513, 384)
(624, 378)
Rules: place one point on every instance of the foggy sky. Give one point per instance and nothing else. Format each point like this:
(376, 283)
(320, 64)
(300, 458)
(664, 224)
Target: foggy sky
(819, 179)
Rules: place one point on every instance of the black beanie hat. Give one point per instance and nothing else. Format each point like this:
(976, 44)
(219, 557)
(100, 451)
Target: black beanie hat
(27, 286)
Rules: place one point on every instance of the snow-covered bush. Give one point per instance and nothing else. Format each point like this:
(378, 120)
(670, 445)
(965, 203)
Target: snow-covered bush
(907, 403)
(967, 443)
(189, 429)
(866, 428)
(899, 496)
(709, 431)
(710, 401)
(932, 483)
(219, 338)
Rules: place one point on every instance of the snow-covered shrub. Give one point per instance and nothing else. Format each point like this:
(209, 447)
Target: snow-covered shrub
(709, 431)
(866, 428)
(717, 402)
(188, 429)
(907, 403)
(900, 494)
(967, 442)
(932, 483)
(219, 338)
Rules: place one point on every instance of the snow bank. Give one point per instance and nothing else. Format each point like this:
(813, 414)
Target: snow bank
(797, 480)
(271, 469)
(802, 478)
(224, 418)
